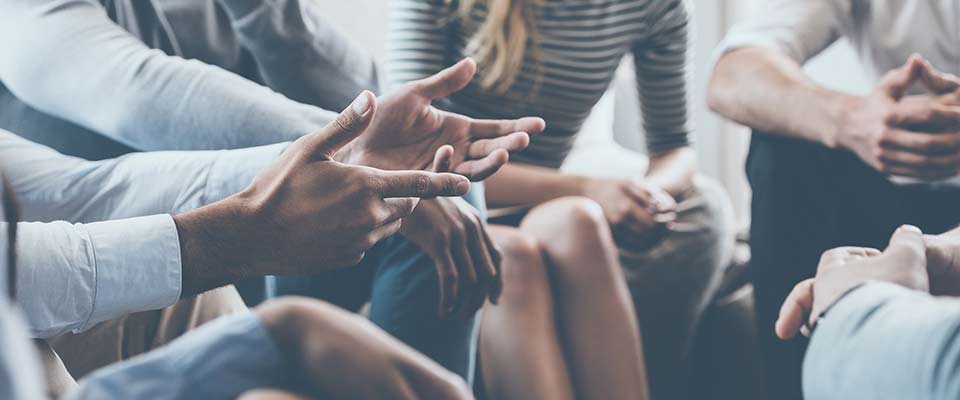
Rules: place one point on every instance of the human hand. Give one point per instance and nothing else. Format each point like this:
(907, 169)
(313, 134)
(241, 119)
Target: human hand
(305, 212)
(943, 262)
(408, 130)
(340, 355)
(638, 212)
(913, 136)
(467, 261)
(842, 269)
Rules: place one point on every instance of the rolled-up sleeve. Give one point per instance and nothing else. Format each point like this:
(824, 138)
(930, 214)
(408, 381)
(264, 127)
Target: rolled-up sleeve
(883, 341)
(220, 360)
(74, 276)
(798, 29)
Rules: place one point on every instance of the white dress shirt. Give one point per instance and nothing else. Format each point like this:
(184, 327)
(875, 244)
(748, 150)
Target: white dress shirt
(81, 272)
(884, 32)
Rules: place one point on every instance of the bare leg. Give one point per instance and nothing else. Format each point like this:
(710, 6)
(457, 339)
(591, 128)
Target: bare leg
(520, 353)
(596, 314)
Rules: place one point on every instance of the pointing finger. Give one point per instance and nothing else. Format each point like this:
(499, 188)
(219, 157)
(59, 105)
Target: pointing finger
(422, 184)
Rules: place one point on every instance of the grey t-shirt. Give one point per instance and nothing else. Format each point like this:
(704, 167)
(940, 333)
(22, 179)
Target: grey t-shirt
(100, 78)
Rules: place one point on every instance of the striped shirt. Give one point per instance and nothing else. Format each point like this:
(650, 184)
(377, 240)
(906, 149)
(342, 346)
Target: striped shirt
(580, 45)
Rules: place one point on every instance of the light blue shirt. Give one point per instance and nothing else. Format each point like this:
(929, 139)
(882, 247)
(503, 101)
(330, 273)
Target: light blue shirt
(172, 74)
(883, 341)
(81, 272)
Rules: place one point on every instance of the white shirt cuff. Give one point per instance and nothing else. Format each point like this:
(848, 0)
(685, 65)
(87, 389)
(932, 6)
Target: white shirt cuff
(137, 266)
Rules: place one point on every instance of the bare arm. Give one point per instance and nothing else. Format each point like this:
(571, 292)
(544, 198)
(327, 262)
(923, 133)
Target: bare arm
(769, 91)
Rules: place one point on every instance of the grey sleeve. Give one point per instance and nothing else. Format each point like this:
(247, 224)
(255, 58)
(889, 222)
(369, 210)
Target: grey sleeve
(883, 341)
(220, 360)
(68, 59)
(300, 54)
(663, 65)
(52, 186)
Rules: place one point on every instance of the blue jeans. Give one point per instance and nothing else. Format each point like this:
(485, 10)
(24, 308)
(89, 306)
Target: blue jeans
(400, 282)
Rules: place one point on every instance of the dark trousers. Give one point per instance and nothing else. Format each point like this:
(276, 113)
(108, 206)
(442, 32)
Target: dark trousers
(808, 199)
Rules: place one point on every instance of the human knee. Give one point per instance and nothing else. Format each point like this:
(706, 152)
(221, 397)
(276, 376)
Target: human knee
(524, 268)
(570, 214)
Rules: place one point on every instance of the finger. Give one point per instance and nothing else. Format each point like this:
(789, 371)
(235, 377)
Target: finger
(442, 159)
(399, 208)
(513, 142)
(468, 279)
(421, 184)
(351, 122)
(896, 82)
(640, 194)
(921, 143)
(949, 162)
(487, 128)
(448, 283)
(448, 81)
(383, 232)
(497, 257)
(664, 217)
(478, 170)
(893, 169)
(924, 114)
(938, 82)
(481, 254)
(663, 201)
(907, 240)
(795, 309)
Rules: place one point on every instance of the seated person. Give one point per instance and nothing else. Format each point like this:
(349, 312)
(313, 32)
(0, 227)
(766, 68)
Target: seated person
(885, 323)
(322, 214)
(100, 78)
(301, 346)
(577, 244)
(829, 168)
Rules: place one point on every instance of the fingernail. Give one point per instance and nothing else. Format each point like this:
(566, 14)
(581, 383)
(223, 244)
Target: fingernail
(362, 104)
(911, 228)
(463, 187)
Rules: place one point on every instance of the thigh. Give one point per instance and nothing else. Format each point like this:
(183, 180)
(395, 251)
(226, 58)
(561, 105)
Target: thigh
(673, 283)
(406, 296)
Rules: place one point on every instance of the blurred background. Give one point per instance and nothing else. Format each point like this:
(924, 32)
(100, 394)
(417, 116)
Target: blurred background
(726, 363)
(612, 136)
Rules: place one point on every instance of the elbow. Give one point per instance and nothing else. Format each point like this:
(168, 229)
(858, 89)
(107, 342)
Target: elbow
(720, 91)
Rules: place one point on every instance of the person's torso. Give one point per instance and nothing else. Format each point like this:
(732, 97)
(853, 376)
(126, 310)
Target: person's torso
(579, 46)
(886, 32)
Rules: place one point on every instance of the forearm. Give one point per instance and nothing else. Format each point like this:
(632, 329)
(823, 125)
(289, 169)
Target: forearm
(518, 184)
(771, 93)
(673, 171)
(53, 186)
(894, 343)
(80, 66)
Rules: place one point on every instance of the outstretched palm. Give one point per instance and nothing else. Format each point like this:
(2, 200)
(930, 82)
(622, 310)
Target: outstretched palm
(408, 130)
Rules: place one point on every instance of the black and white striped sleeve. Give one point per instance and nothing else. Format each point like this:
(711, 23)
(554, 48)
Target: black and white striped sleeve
(418, 43)
(663, 68)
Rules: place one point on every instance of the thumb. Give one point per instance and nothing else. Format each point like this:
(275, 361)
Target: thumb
(936, 81)
(351, 122)
(448, 81)
(908, 241)
(896, 82)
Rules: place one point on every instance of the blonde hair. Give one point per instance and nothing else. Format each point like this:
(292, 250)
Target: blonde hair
(500, 43)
